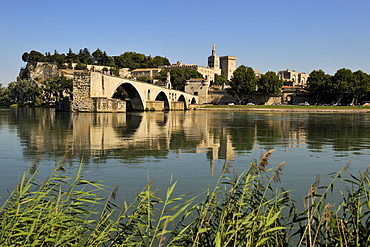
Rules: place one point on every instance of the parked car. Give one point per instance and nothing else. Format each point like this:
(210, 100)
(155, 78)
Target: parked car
(251, 103)
(304, 103)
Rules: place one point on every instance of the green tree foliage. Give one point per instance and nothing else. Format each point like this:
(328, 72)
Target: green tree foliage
(342, 82)
(57, 87)
(220, 80)
(320, 85)
(33, 57)
(269, 84)
(57, 59)
(361, 85)
(80, 66)
(155, 62)
(344, 85)
(4, 95)
(71, 57)
(131, 60)
(101, 58)
(85, 56)
(244, 82)
(179, 76)
(23, 91)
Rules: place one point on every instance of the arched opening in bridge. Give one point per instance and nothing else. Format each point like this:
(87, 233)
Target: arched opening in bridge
(128, 93)
(182, 99)
(193, 101)
(163, 97)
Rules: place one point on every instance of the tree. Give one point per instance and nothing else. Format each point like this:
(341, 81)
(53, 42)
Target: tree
(71, 57)
(133, 60)
(84, 56)
(64, 87)
(220, 80)
(361, 86)
(319, 85)
(155, 62)
(58, 59)
(98, 57)
(23, 90)
(342, 82)
(270, 85)
(80, 66)
(244, 82)
(4, 95)
(33, 57)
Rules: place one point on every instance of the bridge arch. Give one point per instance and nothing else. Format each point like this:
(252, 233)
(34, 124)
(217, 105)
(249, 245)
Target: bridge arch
(183, 99)
(131, 95)
(163, 97)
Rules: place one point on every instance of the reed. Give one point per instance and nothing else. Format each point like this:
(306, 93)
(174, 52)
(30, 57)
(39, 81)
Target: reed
(247, 209)
(342, 221)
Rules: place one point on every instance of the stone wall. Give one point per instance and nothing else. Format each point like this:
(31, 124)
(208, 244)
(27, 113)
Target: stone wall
(81, 93)
(220, 98)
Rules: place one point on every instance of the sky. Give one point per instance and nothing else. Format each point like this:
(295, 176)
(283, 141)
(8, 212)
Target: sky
(267, 35)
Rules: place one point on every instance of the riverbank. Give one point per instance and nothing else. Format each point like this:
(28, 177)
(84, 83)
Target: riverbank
(284, 108)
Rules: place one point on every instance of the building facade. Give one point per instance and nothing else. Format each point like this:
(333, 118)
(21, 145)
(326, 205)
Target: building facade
(228, 66)
(198, 87)
(146, 72)
(293, 78)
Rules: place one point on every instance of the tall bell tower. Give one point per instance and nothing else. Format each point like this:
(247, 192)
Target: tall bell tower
(214, 60)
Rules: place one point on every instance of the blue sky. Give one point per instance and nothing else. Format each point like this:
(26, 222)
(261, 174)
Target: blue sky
(267, 35)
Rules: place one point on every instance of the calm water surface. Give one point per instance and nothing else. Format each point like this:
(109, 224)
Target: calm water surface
(128, 149)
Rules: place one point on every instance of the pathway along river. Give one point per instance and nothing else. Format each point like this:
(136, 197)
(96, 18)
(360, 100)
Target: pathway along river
(125, 149)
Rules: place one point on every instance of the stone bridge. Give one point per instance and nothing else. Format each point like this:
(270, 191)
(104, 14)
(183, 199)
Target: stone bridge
(93, 92)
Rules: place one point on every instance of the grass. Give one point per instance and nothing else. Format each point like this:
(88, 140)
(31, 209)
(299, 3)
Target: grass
(247, 209)
(288, 107)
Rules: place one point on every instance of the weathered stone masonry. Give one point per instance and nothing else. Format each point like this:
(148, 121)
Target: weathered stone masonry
(82, 101)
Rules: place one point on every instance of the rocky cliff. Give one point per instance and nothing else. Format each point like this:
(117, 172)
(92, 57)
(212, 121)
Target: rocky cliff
(39, 72)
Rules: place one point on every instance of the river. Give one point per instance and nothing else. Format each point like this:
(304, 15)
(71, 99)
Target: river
(128, 149)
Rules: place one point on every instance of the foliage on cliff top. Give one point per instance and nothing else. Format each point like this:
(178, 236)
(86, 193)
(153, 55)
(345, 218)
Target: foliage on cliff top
(131, 60)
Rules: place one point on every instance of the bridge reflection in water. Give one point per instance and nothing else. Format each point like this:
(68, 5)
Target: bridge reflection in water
(140, 134)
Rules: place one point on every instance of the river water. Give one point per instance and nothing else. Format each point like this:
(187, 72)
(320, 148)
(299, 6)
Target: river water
(128, 149)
